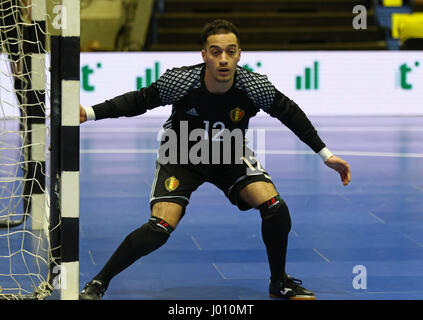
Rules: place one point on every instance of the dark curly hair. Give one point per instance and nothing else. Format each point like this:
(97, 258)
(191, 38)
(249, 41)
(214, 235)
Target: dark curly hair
(218, 26)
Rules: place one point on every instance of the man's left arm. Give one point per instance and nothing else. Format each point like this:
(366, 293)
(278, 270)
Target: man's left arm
(290, 114)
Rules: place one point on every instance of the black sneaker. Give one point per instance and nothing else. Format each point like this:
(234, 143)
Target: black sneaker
(93, 290)
(290, 289)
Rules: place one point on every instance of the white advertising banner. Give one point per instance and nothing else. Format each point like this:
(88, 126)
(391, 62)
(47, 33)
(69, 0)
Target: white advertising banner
(320, 82)
(8, 102)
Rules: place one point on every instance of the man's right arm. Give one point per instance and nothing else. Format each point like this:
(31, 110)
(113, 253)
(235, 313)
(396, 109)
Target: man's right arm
(172, 86)
(126, 105)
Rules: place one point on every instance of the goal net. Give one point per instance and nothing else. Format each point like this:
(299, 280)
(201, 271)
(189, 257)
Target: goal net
(30, 220)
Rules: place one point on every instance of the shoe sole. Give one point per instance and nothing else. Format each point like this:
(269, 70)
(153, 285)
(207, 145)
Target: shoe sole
(91, 299)
(293, 298)
(303, 298)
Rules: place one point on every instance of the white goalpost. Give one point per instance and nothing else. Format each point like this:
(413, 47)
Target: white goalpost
(39, 70)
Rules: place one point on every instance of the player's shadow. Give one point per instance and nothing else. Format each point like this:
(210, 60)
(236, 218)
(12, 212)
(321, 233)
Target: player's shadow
(192, 293)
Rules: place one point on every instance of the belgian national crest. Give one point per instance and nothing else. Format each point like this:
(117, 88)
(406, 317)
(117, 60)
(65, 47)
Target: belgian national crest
(171, 183)
(236, 114)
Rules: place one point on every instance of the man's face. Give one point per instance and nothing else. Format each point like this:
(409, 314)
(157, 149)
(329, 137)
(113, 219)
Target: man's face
(221, 56)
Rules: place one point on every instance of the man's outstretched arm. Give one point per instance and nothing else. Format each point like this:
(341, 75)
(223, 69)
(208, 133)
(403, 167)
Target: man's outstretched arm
(288, 112)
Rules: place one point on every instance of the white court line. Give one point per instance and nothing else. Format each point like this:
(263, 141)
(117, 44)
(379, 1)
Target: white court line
(273, 129)
(112, 151)
(321, 255)
(120, 130)
(376, 217)
(411, 239)
(351, 129)
(196, 243)
(348, 153)
(91, 257)
(271, 152)
(295, 233)
(219, 272)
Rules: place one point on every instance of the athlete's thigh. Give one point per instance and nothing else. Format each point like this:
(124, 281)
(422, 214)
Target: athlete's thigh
(251, 178)
(174, 183)
(257, 193)
(171, 191)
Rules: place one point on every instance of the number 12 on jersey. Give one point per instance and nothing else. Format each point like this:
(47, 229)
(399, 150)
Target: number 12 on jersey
(216, 125)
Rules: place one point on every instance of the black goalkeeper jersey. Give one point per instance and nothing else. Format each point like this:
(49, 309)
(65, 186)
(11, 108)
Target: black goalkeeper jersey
(196, 108)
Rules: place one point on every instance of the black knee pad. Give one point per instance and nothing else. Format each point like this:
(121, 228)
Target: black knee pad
(150, 236)
(276, 210)
(160, 224)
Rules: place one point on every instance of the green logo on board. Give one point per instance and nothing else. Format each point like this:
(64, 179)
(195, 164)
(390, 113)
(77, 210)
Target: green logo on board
(310, 79)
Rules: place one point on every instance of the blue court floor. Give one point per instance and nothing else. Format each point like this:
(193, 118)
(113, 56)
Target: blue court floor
(360, 242)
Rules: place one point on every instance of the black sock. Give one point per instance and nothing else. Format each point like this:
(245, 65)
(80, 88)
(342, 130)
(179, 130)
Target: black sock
(276, 224)
(138, 243)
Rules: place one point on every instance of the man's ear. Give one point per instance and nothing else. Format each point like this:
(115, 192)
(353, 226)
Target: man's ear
(203, 54)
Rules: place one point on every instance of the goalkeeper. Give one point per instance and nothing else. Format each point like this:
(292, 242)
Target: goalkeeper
(214, 96)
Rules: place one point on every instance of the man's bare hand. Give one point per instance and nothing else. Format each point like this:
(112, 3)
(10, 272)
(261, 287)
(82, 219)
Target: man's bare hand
(341, 166)
(82, 114)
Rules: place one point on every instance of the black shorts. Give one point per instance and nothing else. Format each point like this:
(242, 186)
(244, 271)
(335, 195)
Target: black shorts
(176, 182)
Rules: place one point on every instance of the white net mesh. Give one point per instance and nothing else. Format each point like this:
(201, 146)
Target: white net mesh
(24, 139)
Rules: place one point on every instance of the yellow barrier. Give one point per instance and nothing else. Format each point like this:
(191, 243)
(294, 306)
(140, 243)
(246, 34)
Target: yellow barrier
(392, 3)
(405, 25)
